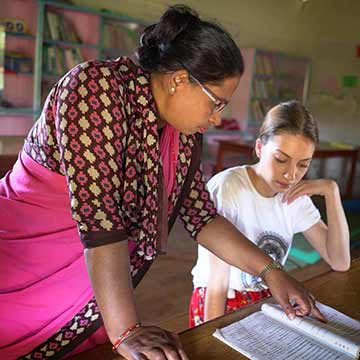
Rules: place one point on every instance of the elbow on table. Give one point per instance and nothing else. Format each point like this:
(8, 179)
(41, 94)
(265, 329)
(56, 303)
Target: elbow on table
(342, 267)
(340, 261)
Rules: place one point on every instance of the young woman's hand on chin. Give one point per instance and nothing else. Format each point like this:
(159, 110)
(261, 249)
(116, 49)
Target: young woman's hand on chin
(322, 187)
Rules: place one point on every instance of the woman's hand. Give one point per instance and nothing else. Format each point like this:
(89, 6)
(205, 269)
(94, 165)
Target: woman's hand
(287, 291)
(150, 343)
(323, 187)
(330, 240)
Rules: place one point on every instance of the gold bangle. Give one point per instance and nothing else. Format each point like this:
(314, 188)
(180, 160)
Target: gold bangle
(271, 266)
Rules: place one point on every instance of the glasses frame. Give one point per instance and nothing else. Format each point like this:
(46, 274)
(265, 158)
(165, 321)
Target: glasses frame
(219, 103)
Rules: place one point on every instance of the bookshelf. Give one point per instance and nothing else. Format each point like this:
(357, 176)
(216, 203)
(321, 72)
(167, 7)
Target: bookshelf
(270, 77)
(57, 36)
(115, 31)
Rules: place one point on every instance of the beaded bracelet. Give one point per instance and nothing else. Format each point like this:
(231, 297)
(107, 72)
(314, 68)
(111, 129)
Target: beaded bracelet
(123, 336)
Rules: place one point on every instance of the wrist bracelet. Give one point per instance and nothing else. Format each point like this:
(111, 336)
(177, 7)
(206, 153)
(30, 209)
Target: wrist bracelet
(271, 266)
(123, 336)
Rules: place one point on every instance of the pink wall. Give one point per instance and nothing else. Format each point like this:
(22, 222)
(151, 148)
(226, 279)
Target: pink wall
(18, 125)
(19, 87)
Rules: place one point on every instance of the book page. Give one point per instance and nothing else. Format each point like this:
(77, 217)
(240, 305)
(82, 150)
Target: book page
(340, 332)
(340, 323)
(260, 337)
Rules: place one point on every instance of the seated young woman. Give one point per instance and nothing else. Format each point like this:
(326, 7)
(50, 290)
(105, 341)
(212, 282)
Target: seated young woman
(269, 202)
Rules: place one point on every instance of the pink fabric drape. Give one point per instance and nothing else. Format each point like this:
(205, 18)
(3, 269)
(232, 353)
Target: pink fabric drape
(43, 278)
(169, 151)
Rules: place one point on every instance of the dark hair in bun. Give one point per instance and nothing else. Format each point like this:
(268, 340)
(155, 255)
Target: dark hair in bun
(182, 40)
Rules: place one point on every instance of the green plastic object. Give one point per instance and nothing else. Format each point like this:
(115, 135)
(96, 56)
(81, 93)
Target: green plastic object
(350, 81)
(301, 251)
(309, 257)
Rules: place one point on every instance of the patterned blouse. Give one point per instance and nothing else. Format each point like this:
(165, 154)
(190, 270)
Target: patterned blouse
(99, 129)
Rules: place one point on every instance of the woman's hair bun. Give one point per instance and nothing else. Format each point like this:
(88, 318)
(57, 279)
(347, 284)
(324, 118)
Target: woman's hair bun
(181, 40)
(157, 38)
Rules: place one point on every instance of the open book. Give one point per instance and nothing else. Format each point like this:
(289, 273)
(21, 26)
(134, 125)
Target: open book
(269, 334)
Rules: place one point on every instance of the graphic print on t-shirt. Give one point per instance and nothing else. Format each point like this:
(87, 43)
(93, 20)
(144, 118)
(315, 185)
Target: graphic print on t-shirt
(276, 247)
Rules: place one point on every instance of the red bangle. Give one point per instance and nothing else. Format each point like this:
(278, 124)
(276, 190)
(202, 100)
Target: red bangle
(123, 336)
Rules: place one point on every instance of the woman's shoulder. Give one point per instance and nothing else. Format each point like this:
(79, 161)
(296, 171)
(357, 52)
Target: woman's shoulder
(235, 176)
(228, 185)
(121, 64)
(94, 71)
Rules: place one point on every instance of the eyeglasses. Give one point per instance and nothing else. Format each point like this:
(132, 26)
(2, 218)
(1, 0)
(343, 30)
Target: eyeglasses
(219, 103)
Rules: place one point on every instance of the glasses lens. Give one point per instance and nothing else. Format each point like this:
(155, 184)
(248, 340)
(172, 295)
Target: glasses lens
(220, 106)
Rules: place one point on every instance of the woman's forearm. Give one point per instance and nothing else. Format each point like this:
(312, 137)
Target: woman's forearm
(108, 268)
(337, 243)
(215, 303)
(229, 244)
(217, 288)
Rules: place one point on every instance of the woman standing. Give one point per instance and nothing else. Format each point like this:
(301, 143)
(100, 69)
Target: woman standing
(113, 159)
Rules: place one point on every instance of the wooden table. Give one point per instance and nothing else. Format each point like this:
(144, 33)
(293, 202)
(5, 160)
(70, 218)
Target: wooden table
(323, 150)
(339, 290)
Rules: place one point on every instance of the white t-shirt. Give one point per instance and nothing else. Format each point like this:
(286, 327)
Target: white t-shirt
(267, 222)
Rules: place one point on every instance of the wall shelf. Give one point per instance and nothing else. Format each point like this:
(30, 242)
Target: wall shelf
(70, 44)
(16, 111)
(68, 36)
(20, 35)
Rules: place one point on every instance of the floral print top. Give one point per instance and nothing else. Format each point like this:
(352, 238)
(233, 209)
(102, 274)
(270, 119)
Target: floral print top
(99, 129)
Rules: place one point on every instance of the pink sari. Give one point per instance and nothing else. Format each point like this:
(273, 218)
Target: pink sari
(40, 252)
(47, 284)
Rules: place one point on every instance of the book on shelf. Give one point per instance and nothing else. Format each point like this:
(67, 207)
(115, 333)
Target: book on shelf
(258, 111)
(259, 89)
(270, 87)
(59, 60)
(269, 334)
(73, 57)
(60, 29)
(119, 36)
(259, 69)
(53, 25)
(17, 63)
(264, 88)
(264, 65)
(268, 66)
